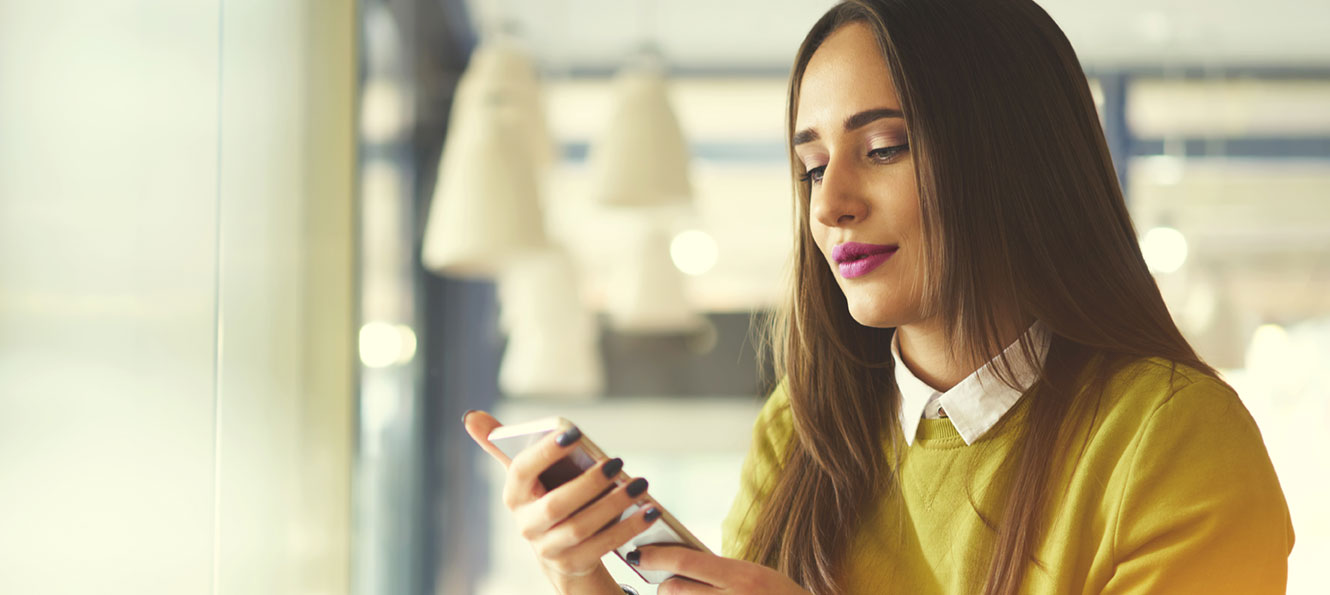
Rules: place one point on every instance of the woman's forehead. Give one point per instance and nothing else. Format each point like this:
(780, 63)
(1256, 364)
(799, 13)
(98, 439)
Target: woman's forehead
(846, 75)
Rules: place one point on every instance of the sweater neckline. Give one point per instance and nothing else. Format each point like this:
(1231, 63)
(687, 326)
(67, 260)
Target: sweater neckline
(942, 433)
(937, 432)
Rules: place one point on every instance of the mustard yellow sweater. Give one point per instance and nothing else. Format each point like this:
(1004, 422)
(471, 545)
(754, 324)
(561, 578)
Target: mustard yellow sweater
(1174, 494)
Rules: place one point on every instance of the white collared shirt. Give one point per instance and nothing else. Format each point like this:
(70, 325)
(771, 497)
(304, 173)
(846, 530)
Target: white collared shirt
(976, 403)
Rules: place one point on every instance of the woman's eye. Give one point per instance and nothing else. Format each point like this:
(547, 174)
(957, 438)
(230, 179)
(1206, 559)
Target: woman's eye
(883, 155)
(886, 153)
(814, 175)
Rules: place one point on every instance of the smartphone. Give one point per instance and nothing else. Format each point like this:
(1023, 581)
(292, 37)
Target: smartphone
(667, 530)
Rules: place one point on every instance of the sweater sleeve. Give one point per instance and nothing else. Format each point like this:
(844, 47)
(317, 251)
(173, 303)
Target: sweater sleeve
(1202, 510)
(771, 434)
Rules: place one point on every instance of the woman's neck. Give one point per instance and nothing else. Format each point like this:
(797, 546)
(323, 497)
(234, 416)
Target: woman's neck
(924, 346)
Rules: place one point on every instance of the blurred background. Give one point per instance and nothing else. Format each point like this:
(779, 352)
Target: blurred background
(256, 259)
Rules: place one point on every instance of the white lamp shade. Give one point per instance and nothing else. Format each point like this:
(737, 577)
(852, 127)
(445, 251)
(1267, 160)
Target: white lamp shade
(535, 366)
(641, 158)
(500, 71)
(540, 290)
(486, 208)
(649, 295)
(553, 341)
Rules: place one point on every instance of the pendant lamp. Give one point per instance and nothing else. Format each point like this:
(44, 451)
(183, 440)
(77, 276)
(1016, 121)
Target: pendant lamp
(648, 296)
(641, 157)
(486, 205)
(500, 67)
(553, 341)
(486, 210)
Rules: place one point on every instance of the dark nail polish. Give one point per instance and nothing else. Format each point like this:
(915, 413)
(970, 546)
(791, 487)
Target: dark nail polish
(636, 488)
(468, 412)
(634, 557)
(568, 437)
(652, 514)
(612, 467)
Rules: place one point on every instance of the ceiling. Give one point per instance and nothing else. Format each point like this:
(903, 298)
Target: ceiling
(739, 36)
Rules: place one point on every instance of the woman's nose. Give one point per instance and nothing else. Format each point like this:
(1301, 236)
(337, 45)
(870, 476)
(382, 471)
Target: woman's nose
(839, 201)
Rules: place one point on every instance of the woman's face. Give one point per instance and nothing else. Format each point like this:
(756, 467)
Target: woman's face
(864, 205)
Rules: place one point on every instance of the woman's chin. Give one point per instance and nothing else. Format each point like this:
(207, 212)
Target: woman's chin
(873, 318)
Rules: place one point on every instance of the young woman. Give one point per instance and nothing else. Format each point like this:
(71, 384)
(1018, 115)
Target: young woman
(982, 390)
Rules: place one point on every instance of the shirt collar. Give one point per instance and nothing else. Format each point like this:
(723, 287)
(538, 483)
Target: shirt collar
(976, 403)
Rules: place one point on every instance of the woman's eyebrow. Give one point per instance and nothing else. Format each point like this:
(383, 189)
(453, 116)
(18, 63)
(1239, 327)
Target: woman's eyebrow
(858, 120)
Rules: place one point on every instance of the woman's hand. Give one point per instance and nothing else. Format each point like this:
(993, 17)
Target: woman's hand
(573, 526)
(710, 574)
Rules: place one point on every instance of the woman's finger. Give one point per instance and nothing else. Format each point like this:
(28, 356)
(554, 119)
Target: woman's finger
(613, 538)
(572, 526)
(569, 503)
(479, 424)
(523, 482)
(681, 585)
(700, 566)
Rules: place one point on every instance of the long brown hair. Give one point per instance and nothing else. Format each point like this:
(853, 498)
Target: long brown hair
(1020, 207)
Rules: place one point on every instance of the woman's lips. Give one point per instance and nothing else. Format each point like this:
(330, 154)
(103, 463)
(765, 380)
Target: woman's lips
(858, 268)
(856, 259)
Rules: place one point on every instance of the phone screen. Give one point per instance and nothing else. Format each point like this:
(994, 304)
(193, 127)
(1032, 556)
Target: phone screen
(561, 472)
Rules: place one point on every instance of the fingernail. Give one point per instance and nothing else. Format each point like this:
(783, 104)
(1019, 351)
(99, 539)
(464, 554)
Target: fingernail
(468, 412)
(568, 437)
(636, 488)
(634, 557)
(652, 514)
(612, 467)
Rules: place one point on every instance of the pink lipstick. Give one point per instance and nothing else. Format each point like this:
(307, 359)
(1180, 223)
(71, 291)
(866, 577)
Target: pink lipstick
(855, 259)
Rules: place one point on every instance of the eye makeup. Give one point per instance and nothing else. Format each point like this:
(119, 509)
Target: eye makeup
(880, 155)
(880, 144)
(886, 139)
